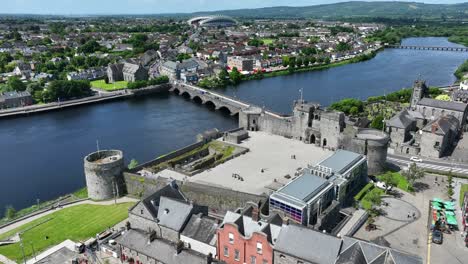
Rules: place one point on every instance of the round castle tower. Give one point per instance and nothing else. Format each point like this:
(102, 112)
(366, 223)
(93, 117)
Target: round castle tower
(103, 171)
(374, 144)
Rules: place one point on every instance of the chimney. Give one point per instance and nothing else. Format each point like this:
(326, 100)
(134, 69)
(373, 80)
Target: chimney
(434, 128)
(255, 214)
(285, 221)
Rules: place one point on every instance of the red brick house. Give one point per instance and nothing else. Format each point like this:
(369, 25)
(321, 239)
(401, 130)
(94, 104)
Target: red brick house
(243, 238)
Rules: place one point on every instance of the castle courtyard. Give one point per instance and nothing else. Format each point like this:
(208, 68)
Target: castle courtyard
(276, 156)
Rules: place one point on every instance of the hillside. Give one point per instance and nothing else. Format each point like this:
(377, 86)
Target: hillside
(352, 10)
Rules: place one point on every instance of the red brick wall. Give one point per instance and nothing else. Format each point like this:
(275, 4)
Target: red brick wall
(247, 246)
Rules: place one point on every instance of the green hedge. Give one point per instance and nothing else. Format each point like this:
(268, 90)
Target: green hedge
(364, 191)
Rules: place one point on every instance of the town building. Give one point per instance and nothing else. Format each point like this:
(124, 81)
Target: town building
(429, 127)
(128, 71)
(244, 238)
(326, 185)
(241, 63)
(464, 209)
(15, 99)
(166, 228)
(297, 244)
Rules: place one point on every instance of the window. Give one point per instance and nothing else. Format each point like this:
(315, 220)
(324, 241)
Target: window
(226, 251)
(265, 261)
(231, 238)
(253, 260)
(259, 248)
(236, 255)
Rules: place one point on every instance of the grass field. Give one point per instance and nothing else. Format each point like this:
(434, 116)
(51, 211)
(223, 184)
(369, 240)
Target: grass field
(77, 223)
(403, 184)
(81, 193)
(463, 189)
(101, 84)
(268, 41)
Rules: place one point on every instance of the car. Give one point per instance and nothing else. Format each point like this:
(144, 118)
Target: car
(437, 237)
(383, 186)
(416, 159)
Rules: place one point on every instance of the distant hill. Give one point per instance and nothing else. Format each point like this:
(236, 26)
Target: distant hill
(352, 10)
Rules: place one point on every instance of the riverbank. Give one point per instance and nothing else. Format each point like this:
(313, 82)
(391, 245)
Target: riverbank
(99, 98)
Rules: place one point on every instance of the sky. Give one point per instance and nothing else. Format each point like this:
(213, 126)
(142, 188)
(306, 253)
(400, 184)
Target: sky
(78, 7)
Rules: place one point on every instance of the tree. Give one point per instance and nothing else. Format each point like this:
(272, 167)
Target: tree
(16, 84)
(377, 123)
(343, 46)
(235, 76)
(389, 180)
(374, 197)
(354, 110)
(133, 164)
(10, 212)
(413, 173)
(450, 184)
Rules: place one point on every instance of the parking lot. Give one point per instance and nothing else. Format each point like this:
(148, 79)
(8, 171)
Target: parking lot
(401, 230)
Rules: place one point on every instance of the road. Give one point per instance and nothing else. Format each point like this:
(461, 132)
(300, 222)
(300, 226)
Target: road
(442, 166)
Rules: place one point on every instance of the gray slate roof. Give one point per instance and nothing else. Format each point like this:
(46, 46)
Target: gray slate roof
(173, 213)
(443, 125)
(151, 202)
(158, 249)
(307, 244)
(358, 251)
(448, 105)
(401, 120)
(202, 229)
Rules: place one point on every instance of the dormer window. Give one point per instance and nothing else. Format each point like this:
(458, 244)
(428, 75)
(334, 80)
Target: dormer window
(166, 211)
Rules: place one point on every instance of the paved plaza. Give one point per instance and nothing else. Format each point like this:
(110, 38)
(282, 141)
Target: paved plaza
(275, 155)
(411, 234)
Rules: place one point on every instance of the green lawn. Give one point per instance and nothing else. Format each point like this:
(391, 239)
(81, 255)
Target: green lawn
(81, 193)
(268, 41)
(463, 189)
(403, 184)
(77, 223)
(101, 84)
(366, 204)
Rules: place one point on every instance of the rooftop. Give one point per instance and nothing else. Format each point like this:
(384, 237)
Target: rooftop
(341, 161)
(302, 189)
(448, 105)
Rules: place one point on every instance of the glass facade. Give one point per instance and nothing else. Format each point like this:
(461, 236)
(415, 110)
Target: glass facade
(291, 212)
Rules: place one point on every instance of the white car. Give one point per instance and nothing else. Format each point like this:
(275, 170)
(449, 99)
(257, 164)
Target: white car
(383, 186)
(416, 159)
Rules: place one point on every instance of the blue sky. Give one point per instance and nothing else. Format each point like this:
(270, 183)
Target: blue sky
(71, 7)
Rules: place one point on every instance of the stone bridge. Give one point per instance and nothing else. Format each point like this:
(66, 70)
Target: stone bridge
(216, 100)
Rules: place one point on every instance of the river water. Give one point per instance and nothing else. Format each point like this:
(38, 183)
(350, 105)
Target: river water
(41, 156)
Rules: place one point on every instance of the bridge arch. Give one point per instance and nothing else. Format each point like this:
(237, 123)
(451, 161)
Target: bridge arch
(210, 104)
(176, 91)
(225, 109)
(186, 95)
(197, 99)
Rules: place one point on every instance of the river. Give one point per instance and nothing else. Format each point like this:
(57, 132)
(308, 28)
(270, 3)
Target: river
(41, 156)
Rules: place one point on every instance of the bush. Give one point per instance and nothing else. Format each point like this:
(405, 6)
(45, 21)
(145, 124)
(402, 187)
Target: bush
(364, 191)
(347, 104)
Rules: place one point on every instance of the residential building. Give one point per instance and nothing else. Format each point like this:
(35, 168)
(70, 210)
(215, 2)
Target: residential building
(297, 244)
(114, 72)
(200, 234)
(439, 137)
(15, 99)
(134, 72)
(244, 238)
(241, 63)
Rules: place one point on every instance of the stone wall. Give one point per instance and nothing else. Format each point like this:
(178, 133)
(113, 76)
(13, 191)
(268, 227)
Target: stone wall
(218, 200)
(282, 258)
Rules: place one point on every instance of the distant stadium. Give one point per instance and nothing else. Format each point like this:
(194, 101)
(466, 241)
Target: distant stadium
(212, 21)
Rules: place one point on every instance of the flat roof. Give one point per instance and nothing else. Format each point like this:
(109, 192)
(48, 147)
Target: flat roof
(305, 187)
(341, 160)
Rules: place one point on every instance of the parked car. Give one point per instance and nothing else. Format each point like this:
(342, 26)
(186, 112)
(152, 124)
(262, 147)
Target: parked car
(383, 186)
(437, 237)
(416, 159)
